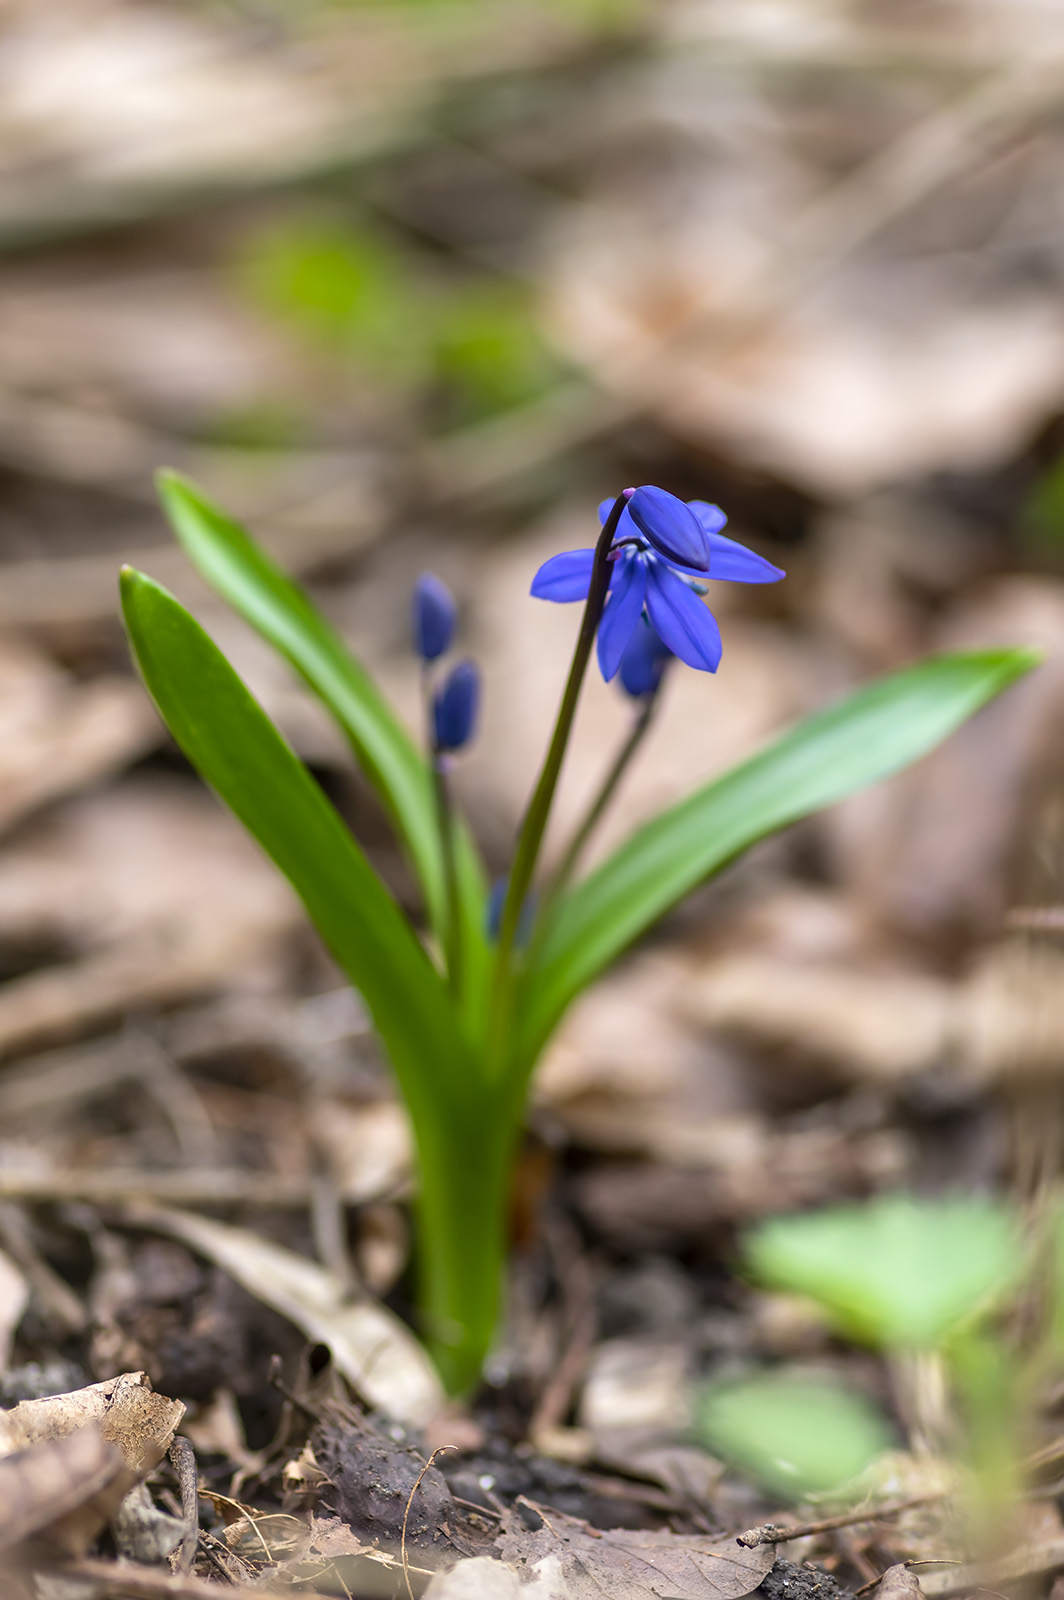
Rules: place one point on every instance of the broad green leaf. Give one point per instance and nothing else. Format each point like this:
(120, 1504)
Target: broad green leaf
(244, 575)
(795, 1436)
(230, 740)
(875, 732)
(896, 1272)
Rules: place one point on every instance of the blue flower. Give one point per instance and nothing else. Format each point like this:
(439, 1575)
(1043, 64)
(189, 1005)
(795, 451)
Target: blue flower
(454, 709)
(493, 913)
(432, 617)
(644, 661)
(661, 544)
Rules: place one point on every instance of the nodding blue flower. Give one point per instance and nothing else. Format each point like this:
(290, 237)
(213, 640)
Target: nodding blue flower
(454, 709)
(643, 662)
(432, 616)
(661, 548)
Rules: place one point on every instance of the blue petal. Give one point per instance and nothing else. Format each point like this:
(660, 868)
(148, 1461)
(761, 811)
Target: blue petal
(643, 662)
(681, 620)
(732, 562)
(565, 577)
(623, 610)
(671, 527)
(711, 518)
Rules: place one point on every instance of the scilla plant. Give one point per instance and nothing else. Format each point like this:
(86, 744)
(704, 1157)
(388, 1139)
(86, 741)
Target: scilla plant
(465, 1004)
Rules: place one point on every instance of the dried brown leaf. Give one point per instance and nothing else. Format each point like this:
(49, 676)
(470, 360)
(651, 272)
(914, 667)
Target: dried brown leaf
(141, 1424)
(630, 1565)
(371, 1347)
(69, 1486)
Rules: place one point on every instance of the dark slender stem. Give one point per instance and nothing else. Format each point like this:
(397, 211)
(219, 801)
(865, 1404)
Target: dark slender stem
(451, 935)
(606, 793)
(534, 824)
(445, 814)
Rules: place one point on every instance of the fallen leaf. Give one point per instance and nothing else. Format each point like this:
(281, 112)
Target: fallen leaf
(70, 1484)
(14, 1295)
(899, 1583)
(142, 1424)
(630, 1565)
(372, 1348)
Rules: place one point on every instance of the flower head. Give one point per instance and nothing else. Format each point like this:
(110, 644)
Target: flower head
(454, 709)
(660, 546)
(432, 617)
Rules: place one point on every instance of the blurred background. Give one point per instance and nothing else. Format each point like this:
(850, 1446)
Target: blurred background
(412, 286)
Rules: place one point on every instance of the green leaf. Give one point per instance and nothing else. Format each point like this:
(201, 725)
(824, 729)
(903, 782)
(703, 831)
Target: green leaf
(245, 576)
(878, 730)
(897, 1272)
(793, 1435)
(230, 740)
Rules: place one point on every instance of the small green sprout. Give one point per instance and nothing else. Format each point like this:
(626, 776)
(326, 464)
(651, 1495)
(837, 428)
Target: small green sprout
(897, 1273)
(795, 1436)
(918, 1280)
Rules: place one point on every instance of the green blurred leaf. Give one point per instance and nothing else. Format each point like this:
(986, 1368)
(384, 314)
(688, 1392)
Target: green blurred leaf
(488, 351)
(795, 1436)
(346, 289)
(244, 575)
(875, 732)
(894, 1272)
(1042, 515)
(230, 740)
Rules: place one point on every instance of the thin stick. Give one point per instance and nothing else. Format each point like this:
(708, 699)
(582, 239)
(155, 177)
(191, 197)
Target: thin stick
(183, 1461)
(410, 1500)
(772, 1533)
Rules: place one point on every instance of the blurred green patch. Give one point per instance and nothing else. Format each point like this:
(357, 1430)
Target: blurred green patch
(268, 425)
(467, 349)
(896, 1272)
(1042, 514)
(343, 289)
(487, 352)
(794, 1436)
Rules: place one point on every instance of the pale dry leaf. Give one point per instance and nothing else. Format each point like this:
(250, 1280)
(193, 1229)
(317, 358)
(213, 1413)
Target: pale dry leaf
(482, 1578)
(14, 1297)
(159, 889)
(627, 1565)
(331, 1536)
(69, 1485)
(142, 1532)
(368, 1147)
(85, 733)
(125, 1409)
(899, 1583)
(372, 1348)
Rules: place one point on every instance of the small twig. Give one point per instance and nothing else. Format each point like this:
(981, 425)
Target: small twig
(913, 1561)
(772, 1533)
(183, 1461)
(410, 1500)
(578, 1288)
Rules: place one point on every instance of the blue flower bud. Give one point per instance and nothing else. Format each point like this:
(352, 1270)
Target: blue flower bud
(455, 707)
(432, 617)
(670, 526)
(493, 915)
(643, 662)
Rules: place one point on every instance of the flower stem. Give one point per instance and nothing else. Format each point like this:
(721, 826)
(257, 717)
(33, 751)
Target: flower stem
(534, 824)
(621, 763)
(445, 814)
